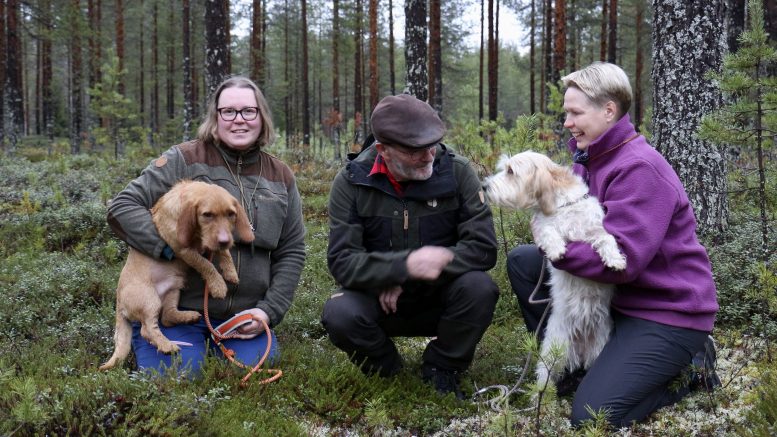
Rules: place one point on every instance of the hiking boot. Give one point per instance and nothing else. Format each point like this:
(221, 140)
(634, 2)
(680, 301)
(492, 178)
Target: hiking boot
(703, 375)
(444, 381)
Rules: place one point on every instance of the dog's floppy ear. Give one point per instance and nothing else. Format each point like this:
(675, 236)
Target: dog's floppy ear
(244, 230)
(544, 189)
(187, 223)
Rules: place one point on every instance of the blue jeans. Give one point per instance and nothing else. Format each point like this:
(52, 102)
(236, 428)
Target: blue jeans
(194, 341)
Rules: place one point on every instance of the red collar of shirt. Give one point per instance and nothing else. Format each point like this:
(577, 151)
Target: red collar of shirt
(380, 167)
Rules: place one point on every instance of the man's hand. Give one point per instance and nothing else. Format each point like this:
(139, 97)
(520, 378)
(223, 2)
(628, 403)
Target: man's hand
(251, 330)
(427, 263)
(388, 299)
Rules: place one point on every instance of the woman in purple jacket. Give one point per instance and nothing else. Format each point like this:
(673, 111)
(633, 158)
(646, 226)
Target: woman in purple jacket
(665, 304)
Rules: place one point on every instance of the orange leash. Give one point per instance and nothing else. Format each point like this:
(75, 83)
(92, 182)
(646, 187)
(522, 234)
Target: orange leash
(226, 331)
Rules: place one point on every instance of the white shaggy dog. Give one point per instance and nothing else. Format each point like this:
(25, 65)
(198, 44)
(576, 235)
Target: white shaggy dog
(563, 211)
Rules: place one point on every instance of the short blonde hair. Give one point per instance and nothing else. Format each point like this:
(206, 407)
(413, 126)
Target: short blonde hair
(208, 130)
(602, 82)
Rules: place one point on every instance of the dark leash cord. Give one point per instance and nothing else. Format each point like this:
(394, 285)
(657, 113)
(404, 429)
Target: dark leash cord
(499, 402)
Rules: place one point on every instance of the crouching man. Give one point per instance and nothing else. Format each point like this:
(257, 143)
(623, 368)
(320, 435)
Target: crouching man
(410, 240)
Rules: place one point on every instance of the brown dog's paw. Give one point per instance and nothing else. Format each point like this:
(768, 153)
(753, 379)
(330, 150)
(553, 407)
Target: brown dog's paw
(231, 276)
(218, 288)
(167, 347)
(175, 317)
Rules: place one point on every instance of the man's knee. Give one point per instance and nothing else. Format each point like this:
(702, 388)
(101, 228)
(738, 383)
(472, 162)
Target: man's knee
(477, 292)
(344, 313)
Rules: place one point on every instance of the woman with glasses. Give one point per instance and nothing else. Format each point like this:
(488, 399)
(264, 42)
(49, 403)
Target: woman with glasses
(228, 152)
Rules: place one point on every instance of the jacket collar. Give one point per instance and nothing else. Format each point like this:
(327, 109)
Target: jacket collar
(610, 139)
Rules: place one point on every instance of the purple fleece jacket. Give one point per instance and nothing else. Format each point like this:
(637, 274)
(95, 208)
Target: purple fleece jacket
(668, 278)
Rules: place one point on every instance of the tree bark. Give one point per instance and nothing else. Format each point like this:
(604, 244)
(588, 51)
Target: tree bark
(305, 79)
(392, 73)
(373, 71)
(171, 32)
(358, 73)
(435, 56)
(482, 51)
(603, 36)
(638, 66)
(493, 62)
(76, 79)
(257, 52)
(336, 117)
(689, 39)
(188, 92)
(415, 48)
(612, 32)
(532, 62)
(119, 17)
(560, 40)
(216, 43)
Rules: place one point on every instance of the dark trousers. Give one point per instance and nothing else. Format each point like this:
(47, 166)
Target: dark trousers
(631, 378)
(456, 314)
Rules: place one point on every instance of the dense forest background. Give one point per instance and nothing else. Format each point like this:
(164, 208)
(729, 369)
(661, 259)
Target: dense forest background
(143, 68)
(94, 89)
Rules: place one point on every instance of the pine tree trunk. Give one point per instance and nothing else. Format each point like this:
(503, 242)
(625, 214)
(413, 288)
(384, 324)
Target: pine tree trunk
(3, 62)
(482, 51)
(435, 56)
(415, 48)
(47, 94)
(560, 40)
(76, 80)
(532, 62)
(171, 32)
(155, 110)
(257, 58)
(216, 43)
(392, 73)
(14, 85)
(689, 39)
(638, 67)
(373, 70)
(358, 74)
(493, 62)
(305, 78)
(188, 102)
(336, 116)
(603, 34)
(119, 17)
(612, 32)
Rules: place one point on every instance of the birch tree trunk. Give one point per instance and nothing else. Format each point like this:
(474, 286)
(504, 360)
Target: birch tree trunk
(689, 39)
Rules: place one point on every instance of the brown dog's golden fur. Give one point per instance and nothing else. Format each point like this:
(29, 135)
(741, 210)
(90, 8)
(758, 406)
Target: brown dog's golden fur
(192, 218)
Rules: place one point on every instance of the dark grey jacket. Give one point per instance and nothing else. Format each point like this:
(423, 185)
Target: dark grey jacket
(372, 229)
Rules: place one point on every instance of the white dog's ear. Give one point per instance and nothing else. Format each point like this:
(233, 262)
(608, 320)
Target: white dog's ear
(544, 190)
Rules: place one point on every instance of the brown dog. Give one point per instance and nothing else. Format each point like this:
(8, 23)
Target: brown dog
(192, 218)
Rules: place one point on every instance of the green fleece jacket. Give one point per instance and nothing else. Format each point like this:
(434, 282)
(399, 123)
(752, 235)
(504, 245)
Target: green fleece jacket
(372, 229)
(270, 267)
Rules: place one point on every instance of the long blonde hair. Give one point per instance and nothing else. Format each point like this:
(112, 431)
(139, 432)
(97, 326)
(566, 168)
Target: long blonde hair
(602, 82)
(208, 130)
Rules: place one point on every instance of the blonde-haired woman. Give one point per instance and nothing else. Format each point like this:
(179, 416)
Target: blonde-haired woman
(227, 152)
(665, 304)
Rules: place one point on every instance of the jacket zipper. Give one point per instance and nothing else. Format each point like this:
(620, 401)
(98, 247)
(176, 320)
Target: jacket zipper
(406, 220)
(237, 267)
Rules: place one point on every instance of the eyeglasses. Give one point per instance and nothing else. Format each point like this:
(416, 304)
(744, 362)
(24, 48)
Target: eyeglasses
(414, 153)
(229, 114)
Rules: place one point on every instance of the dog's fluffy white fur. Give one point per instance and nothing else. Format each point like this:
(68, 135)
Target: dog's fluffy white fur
(580, 319)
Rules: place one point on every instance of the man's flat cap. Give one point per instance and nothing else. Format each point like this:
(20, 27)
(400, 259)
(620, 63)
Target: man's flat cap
(406, 121)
